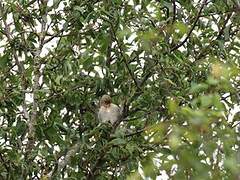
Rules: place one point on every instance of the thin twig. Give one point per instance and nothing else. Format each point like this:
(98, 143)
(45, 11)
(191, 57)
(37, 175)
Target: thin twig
(4, 163)
(220, 33)
(174, 10)
(224, 25)
(125, 60)
(127, 66)
(192, 28)
(136, 133)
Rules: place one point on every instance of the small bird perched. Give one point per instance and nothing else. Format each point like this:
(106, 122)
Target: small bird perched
(108, 112)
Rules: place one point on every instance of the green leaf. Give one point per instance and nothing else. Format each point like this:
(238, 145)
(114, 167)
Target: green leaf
(134, 175)
(58, 79)
(52, 135)
(4, 60)
(118, 141)
(196, 88)
(172, 106)
(206, 101)
(21, 127)
(181, 27)
(126, 32)
(131, 147)
(149, 168)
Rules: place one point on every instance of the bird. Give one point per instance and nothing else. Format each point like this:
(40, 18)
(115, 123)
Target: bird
(108, 112)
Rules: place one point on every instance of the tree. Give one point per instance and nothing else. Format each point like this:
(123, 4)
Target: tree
(174, 65)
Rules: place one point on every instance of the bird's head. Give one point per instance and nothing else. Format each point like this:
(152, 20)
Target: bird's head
(105, 101)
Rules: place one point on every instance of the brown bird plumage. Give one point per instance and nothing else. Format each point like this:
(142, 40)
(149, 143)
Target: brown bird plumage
(108, 112)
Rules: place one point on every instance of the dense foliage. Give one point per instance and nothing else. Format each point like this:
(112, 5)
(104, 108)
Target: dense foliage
(173, 65)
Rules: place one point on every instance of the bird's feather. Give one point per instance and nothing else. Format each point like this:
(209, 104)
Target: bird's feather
(109, 114)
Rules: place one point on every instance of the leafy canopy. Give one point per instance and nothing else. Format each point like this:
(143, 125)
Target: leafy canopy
(173, 65)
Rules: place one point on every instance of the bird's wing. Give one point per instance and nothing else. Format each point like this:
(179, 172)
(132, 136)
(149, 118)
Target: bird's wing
(100, 115)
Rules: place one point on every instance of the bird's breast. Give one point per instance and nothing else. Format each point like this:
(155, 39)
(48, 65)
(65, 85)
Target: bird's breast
(108, 114)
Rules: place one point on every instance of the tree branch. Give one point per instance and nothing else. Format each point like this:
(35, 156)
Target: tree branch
(174, 10)
(220, 33)
(20, 66)
(36, 86)
(127, 66)
(224, 25)
(65, 161)
(102, 154)
(125, 60)
(4, 163)
(136, 133)
(192, 28)
(8, 35)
